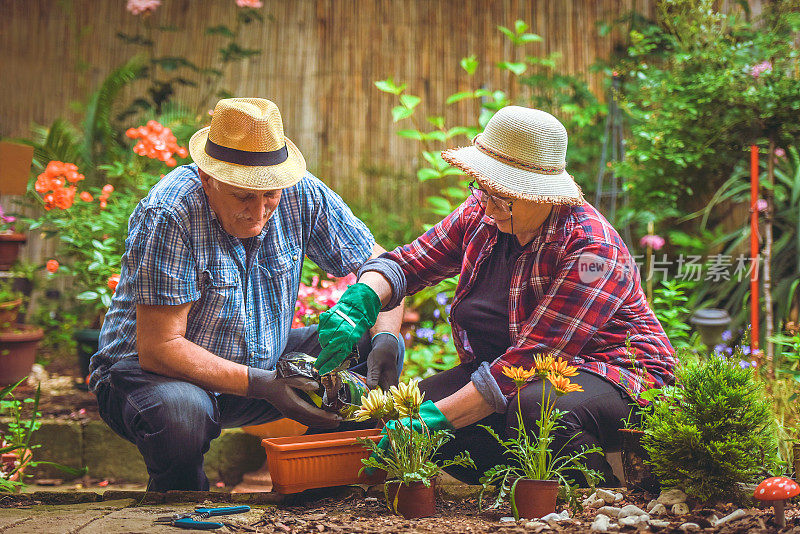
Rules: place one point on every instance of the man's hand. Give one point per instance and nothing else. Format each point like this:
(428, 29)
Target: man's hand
(280, 392)
(433, 418)
(342, 326)
(382, 362)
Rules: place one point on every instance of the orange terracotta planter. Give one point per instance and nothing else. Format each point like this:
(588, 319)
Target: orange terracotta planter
(412, 500)
(18, 352)
(535, 498)
(10, 244)
(298, 463)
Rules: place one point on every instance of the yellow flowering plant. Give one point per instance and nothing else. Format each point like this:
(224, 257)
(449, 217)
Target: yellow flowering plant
(407, 449)
(530, 452)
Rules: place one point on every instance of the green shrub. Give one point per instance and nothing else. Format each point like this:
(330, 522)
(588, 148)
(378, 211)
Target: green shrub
(712, 431)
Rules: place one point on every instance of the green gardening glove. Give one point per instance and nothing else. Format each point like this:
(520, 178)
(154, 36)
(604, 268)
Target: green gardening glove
(433, 418)
(342, 326)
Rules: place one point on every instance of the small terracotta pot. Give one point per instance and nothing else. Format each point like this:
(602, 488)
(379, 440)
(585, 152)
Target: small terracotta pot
(638, 474)
(18, 352)
(535, 498)
(9, 249)
(9, 310)
(412, 500)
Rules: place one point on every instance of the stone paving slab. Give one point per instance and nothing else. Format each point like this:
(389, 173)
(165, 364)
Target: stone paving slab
(47, 518)
(117, 514)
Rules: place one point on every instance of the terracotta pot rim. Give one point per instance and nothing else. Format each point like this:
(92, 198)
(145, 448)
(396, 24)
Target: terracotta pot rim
(13, 236)
(28, 333)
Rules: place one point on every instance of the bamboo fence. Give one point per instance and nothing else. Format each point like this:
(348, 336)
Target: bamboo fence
(319, 62)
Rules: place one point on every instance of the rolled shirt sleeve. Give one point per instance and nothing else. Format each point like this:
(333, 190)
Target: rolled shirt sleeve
(160, 261)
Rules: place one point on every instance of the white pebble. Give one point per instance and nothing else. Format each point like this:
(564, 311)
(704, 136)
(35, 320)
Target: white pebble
(671, 496)
(736, 514)
(680, 508)
(618, 497)
(629, 510)
(610, 511)
(606, 495)
(651, 504)
(552, 517)
(659, 523)
(590, 499)
(658, 509)
(601, 523)
(507, 519)
(629, 521)
(689, 527)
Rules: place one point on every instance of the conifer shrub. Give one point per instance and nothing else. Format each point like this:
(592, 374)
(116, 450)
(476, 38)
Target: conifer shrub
(711, 431)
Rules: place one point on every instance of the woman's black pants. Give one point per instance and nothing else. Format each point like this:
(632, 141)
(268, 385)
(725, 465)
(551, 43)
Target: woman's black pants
(593, 418)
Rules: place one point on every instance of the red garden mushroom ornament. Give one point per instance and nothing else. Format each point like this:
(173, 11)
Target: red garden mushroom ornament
(777, 490)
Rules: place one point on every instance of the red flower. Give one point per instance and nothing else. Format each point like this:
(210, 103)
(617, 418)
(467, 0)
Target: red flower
(156, 142)
(113, 280)
(52, 266)
(86, 196)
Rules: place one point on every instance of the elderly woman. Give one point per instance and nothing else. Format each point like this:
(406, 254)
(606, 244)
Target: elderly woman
(541, 272)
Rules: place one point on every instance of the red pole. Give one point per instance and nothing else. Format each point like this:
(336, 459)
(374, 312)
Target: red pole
(754, 308)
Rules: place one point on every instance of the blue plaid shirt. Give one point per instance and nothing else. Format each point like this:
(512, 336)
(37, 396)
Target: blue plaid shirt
(243, 292)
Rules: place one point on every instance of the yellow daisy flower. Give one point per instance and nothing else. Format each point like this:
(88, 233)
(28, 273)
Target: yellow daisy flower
(518, 374)
(543, 364)
(407, 398)
(562, 384)
(373, 405)
(561, 367)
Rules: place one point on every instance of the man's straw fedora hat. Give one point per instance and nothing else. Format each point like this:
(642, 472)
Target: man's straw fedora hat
(245, 146)
(520, 154)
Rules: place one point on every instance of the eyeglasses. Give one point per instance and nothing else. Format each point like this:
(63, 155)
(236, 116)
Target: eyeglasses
(502, 205)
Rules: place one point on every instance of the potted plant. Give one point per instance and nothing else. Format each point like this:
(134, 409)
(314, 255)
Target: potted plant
(10, 302)
(10, 241)
(408, 460)
(532, 481)
(18, 342)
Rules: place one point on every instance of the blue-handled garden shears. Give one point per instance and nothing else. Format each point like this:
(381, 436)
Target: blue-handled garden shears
(187, 520)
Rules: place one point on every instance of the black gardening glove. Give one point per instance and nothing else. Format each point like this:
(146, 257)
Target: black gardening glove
(382, 362)
(280, 392)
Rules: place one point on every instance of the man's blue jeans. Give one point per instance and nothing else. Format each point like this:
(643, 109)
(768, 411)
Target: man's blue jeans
(172, 422)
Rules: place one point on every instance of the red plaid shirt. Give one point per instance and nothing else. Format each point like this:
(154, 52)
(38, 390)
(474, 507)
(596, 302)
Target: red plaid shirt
(575, 293)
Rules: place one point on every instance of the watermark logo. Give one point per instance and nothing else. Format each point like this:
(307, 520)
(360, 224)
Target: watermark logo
(592, 267)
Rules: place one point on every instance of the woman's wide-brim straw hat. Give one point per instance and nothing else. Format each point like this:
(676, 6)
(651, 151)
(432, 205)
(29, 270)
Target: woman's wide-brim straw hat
(520, 154)
(245, 146)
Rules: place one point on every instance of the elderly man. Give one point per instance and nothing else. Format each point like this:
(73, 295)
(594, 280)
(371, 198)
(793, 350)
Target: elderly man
(207, 291)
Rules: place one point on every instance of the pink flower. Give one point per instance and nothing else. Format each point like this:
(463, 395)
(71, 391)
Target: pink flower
(138, 7)
(653, 241)
(761, 204)
(255, 4)
(779, 152)
(760, 68)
